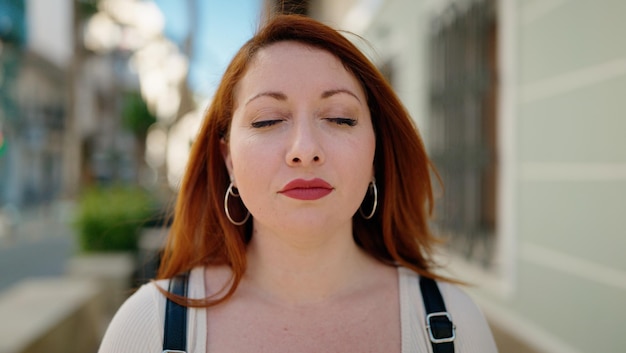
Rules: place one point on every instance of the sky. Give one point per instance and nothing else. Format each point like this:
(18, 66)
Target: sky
(223, 26)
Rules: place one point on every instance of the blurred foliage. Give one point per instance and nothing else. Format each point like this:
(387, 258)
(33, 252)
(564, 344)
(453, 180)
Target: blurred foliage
(3, 143)
(86, 8)
(110, 218)
(135, 114)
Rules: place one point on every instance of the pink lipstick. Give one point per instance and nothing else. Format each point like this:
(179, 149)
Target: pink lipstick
(308, 190)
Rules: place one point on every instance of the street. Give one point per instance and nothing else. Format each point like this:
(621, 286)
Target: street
(40, 246)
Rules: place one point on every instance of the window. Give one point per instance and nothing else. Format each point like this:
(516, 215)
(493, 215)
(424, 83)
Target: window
(463, 97)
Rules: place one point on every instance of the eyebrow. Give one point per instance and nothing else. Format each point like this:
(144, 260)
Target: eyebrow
(272, 94)
(333, 92)
(283, 97)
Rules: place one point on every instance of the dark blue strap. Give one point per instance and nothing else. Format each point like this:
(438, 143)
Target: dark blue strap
(175, 333)
(441, 330)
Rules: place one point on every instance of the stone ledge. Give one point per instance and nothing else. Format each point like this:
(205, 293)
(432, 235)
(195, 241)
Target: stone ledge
(113, 270)
(51, 315)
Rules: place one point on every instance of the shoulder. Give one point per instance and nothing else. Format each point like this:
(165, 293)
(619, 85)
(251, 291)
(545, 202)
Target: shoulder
(458, 300)
(472, 330)
(455, 298)
(136, 325)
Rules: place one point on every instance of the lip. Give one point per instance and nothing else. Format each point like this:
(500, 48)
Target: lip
(308, 190)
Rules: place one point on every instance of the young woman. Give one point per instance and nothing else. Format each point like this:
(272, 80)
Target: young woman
(302, 216)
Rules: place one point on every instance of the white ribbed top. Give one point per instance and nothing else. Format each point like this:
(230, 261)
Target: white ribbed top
(138, 325)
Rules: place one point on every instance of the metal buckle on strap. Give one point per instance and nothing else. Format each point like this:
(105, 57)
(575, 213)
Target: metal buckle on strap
(442, 314)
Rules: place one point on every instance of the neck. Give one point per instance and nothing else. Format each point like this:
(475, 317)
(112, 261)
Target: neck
(305, 270)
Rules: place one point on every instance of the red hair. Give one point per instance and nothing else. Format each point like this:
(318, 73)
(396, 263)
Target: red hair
(397, 234)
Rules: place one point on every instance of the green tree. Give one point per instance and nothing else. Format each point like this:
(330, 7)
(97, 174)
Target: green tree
(135, 114)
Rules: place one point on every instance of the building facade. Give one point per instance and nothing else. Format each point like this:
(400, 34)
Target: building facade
(61, 106)
(33, 102)
(520, 103)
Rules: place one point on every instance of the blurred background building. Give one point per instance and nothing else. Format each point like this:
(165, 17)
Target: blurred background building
(520, 103)
(62, 102)
(33, 107)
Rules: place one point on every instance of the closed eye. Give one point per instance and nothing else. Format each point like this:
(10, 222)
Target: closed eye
(343, 121)
(264, 123)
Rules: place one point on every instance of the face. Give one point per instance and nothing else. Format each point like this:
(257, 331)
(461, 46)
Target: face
(301, 145)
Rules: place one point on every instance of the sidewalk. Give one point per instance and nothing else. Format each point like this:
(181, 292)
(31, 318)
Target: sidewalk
(54, 292)
(40, 245)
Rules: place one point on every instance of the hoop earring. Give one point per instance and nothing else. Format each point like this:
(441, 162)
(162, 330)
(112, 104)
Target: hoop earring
(371, 186)
(230, 191)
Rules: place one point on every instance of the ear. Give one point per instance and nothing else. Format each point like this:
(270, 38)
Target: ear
(226, 155)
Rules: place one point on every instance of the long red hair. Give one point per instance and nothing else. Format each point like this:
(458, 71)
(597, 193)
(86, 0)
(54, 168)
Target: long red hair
(397, 234)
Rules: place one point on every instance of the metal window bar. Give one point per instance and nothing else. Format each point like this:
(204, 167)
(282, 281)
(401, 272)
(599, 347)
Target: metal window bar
(462, 95)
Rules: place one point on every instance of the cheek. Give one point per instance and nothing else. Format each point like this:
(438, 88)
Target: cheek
(356, 163)
(253, 171)
(364, 148)
(251, 161)
(242, 157)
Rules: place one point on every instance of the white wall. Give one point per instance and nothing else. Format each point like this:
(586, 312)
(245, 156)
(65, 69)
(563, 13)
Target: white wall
(572, 173)
(50, 29)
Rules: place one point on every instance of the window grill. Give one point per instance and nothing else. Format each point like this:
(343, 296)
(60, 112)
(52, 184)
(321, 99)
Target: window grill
(463, 96)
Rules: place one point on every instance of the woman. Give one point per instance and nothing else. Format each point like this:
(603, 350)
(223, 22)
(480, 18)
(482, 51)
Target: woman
(303, 213)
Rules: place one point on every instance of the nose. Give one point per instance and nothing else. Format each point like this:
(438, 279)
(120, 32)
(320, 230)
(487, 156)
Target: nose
(304, 146)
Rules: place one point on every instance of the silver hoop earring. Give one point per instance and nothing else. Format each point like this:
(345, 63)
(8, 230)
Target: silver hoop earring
(230, 191)
(371, 186)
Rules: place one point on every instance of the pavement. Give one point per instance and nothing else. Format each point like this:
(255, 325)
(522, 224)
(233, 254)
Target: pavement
(39, 245)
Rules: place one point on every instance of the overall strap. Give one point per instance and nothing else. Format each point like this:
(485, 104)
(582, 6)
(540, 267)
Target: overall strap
(441, 330)
(175, 330)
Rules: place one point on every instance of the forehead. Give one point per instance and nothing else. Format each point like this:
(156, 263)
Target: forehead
(289, 49)
(282, 64)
